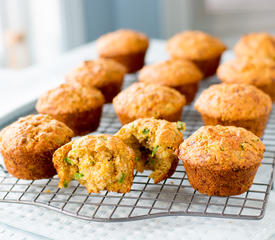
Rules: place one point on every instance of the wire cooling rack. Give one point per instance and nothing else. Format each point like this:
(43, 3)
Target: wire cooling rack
(172, 197)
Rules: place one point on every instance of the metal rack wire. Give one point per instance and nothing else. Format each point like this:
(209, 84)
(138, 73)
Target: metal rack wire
(174, 196)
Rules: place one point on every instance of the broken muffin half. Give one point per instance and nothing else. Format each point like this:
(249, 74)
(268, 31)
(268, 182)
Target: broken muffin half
(99, 162)
(154, 142)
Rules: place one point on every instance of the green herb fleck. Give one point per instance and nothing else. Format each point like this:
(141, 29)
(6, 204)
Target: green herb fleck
(145, 131)
(65, 184)
(242, 146)
(102, 138)
(181, 126)
(78, 175)
(221, 148)
(154, 150)
(122, 178)
(137, 159)
(68, 160)
(151, 160)
(255, 140)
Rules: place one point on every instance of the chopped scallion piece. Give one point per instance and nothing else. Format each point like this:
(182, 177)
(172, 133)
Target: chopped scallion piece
(181, 126)
(65, 184)
(78, 175)
(122, 178)
(154, 150)
(145, 131)
(68, 160)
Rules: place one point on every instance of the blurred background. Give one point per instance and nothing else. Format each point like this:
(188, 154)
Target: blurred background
(36, 31)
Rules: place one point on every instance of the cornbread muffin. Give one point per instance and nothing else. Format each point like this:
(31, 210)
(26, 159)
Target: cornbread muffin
(142, 100)
(238, 105)
(125, 46)
(221, 161)
(99, 162)
(259, 72)
(200, 48)
(27, 145)
(79, 108)
(154, 142)
(256, 45)
(104, 74)
(181, 75)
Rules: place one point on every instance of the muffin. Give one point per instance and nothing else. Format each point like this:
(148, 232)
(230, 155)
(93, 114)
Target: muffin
(154, 142)
(142, 100)
(238, 105)
(125, 46)
(78, 108)
(200, 48)
(259, 72)
(104, 74)
(27, 145)
(99, 162)
(221, 161)
(181, 75)
(256, 45)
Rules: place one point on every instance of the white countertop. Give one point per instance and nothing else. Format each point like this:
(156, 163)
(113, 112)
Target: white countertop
(31, 222)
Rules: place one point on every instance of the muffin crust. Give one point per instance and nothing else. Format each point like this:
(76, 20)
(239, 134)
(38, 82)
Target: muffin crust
(28, 144)
(199, 47)
(179, 74)
(235, 104)
(154, 142)
(79, 108)
(123, 41)
(195, 45)
(104, 74)
(125, 46)
(142, 100)
(99, 162)
(259, 72)
(256, 45)
(221, 161)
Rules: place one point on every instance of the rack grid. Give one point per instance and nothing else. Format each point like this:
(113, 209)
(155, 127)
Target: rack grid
(172, 197)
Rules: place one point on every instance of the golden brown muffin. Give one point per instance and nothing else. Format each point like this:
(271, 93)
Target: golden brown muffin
(221, 161)
(179, 74)
(125, 46)
(104, 74)
(142, 100)
(256, 45)
(79, 108)
(99, 162)
(154, 142)
(27, 145)
(259, 72)
(238, 105)
(200, 48)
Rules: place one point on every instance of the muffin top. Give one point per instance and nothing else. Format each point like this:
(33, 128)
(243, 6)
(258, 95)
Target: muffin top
(254, 71)
(122, 41)
(148, 100)
(195, 45)
(34, 133)
(171, 73)
(97, 73)
(233, 102)
(68, 99)
(100, 162)
(256, 44)
(222, 148)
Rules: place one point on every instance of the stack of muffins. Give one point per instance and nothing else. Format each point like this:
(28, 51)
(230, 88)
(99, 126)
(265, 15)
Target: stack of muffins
(220, 159)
